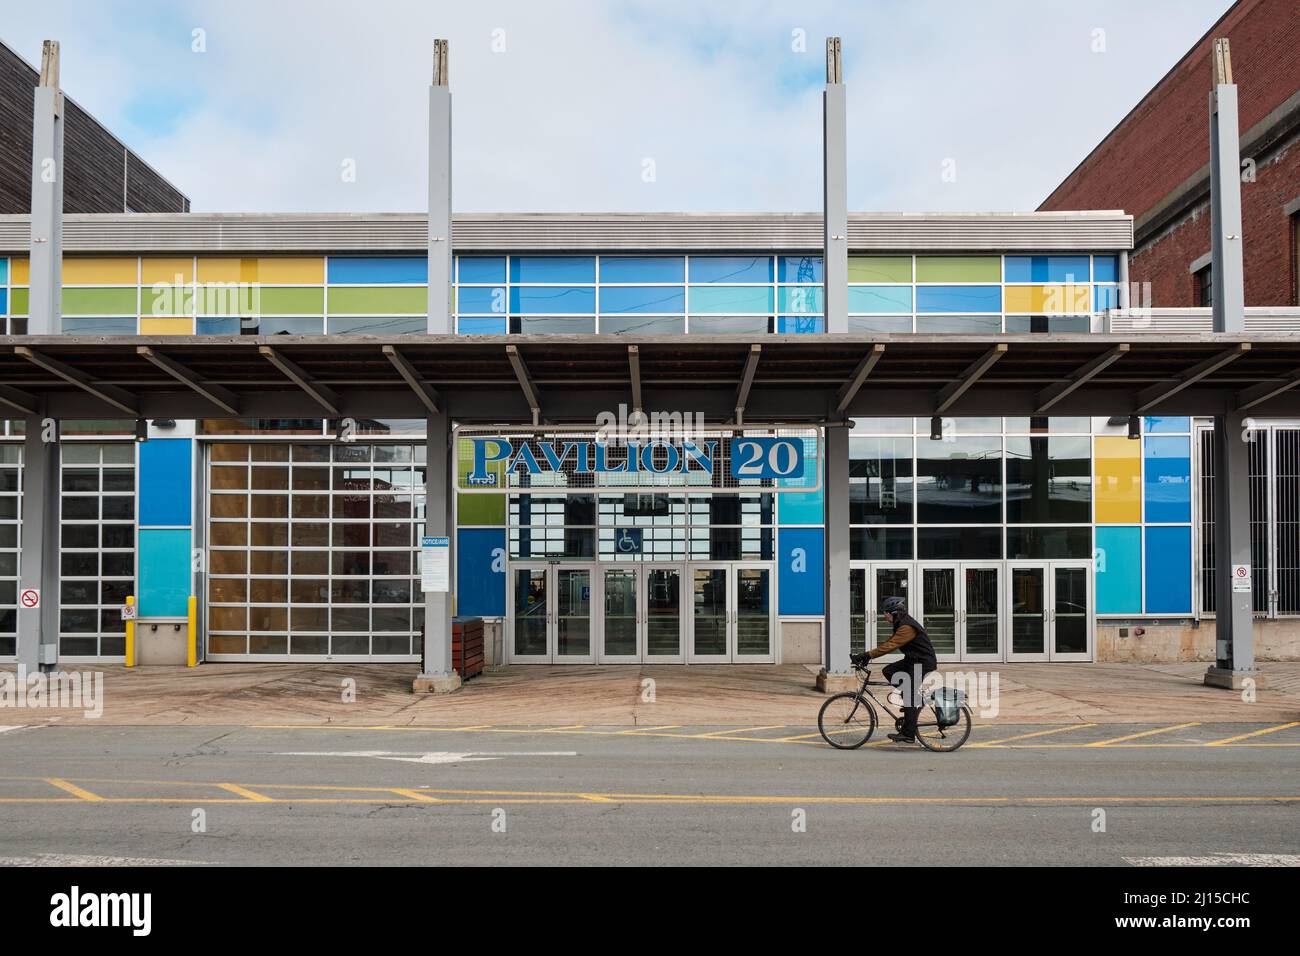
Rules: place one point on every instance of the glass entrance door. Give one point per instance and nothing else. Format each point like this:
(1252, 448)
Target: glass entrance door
(869, 584)
(1051, 611)
(731, 615)
(661, 589)
(641, 619)
(551, 614)
(959, 607)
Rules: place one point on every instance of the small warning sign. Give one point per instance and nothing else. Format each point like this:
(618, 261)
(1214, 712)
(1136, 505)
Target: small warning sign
(1241, 578)
(30, 598)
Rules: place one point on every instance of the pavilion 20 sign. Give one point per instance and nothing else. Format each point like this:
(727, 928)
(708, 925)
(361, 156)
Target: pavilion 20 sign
(495, 460)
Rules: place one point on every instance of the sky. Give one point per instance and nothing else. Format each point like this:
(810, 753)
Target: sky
(574, 105)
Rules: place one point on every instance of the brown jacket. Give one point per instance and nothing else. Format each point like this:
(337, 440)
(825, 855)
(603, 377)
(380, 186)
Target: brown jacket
(909, 637)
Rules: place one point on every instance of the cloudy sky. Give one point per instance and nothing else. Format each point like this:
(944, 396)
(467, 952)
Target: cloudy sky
(258, 105)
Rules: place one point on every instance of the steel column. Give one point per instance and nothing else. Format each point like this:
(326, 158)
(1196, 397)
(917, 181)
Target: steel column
(38, 628)
(835, 201)
(1234, 620)
(837, 671)
(45, 305)
(440, 262)
(439, 520)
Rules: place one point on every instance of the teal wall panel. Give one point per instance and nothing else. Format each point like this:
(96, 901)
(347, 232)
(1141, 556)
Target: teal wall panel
(164, 556)
(1119, 570)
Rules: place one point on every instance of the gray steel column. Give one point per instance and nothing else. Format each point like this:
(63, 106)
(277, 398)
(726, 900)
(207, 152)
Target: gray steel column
(439, 519)
(835, 194)
(837, 673)
(38, 628)
(1234, 620)
(440, 264)
(47, 199)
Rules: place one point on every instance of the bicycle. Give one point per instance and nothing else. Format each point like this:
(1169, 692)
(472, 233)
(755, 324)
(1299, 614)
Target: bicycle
(848, 719)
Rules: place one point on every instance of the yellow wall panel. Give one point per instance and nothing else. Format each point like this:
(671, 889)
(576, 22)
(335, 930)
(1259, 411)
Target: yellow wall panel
(1118, 490)
(277, 270)
(100, 271)
(152, 325)
(166, 270)
(1047, 299)
(285, 270)
(19, 272)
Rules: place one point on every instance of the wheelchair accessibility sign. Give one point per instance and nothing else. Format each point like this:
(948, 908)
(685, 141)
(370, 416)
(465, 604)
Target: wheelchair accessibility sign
(628, 540)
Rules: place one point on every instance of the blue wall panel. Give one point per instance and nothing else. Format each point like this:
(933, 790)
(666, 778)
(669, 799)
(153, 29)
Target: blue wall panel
(378, 270)
(1119, 570)
(801, 571)
(480, 590)
(164, 556)
(1168, 479)
(959, 298)
(165, 469)
(1169, 570)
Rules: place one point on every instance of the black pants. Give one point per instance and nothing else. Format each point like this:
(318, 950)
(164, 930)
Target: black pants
(907, 676)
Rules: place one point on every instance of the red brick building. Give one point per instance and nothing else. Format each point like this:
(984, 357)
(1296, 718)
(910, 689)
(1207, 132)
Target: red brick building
(1155, 164)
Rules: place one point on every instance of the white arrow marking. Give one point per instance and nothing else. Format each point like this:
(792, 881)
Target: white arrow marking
(4, 729)
(1217, 859)
(436, 756)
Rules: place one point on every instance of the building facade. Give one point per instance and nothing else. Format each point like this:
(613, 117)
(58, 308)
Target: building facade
(1155, 165)
(102, 175)
(1061, 538)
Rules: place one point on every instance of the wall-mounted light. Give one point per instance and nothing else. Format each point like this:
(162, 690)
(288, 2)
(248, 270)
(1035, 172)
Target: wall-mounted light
(936, 428)
(164, 423)
(141, 430)
(1134, 427)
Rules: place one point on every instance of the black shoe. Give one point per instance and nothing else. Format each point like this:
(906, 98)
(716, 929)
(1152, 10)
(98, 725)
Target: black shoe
(902, 738)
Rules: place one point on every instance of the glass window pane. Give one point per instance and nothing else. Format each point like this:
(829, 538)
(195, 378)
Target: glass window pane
(641, 269)
(1049, 480)
(552, 268)
(959, 480)
(730, 269)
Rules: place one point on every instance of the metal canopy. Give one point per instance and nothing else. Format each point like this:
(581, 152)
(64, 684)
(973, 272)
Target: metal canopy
(503, 379)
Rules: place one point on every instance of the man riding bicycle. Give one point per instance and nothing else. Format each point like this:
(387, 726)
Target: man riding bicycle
(908, 638)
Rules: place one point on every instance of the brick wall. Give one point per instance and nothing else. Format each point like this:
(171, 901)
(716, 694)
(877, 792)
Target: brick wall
(1164, 142)
(1268, 238)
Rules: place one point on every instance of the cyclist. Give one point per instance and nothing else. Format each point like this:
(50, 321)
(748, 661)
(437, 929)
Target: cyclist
(910, 639)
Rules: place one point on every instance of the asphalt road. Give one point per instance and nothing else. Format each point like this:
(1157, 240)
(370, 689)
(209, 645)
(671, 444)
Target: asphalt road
(676, 795)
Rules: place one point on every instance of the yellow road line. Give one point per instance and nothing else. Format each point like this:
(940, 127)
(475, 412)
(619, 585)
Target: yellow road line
(634, 731)
(737, 730)
(73, 789)
(1144, 733)
(553, 730)
(245, 793)
(416, 795)
(1036, 733)
(1253, 733)
(437, 796)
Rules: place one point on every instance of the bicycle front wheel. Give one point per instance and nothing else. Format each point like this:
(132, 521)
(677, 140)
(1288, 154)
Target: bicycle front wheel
(847, 720)
(943, 739)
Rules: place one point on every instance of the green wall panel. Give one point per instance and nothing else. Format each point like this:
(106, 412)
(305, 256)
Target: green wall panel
(958, 269)
(480, 509)
(364, 300)
(880, 268)
(279, 300)
(18, 301)
(99, 301)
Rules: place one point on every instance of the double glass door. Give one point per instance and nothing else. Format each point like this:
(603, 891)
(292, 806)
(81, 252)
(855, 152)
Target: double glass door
(959, 606)
(869, 584)
(1051, 611)
(732, 616)
(551, 619)
(641, 619)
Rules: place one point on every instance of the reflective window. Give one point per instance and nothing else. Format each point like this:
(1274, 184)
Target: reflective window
(1049, 480)
(880, 480)
(645, 299)
(642, 269)
(557, 269)
(959, 480)
(723, 269)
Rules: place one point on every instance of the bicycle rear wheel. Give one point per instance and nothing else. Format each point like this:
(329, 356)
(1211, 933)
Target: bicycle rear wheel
(943, 739)
(847, 720)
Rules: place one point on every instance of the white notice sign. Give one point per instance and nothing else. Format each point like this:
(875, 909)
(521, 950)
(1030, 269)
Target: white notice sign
(435, 564)
(1241, 579)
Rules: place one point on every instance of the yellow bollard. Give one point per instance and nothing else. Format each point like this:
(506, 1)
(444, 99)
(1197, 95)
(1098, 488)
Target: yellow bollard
(192, 651)
(130, 634)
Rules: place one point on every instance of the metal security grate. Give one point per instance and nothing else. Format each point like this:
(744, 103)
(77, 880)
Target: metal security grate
(1274, 520)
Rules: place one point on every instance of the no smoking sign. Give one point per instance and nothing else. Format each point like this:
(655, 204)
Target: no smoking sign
(30, 598)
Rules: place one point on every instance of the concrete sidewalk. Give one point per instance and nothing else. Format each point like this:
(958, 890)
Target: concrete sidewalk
(752, 695)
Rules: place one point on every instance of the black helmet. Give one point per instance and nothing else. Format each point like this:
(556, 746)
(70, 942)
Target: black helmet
(893, 605)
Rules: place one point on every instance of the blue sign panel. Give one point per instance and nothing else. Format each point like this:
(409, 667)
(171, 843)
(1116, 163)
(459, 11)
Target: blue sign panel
(628, 540)
(766, 457)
